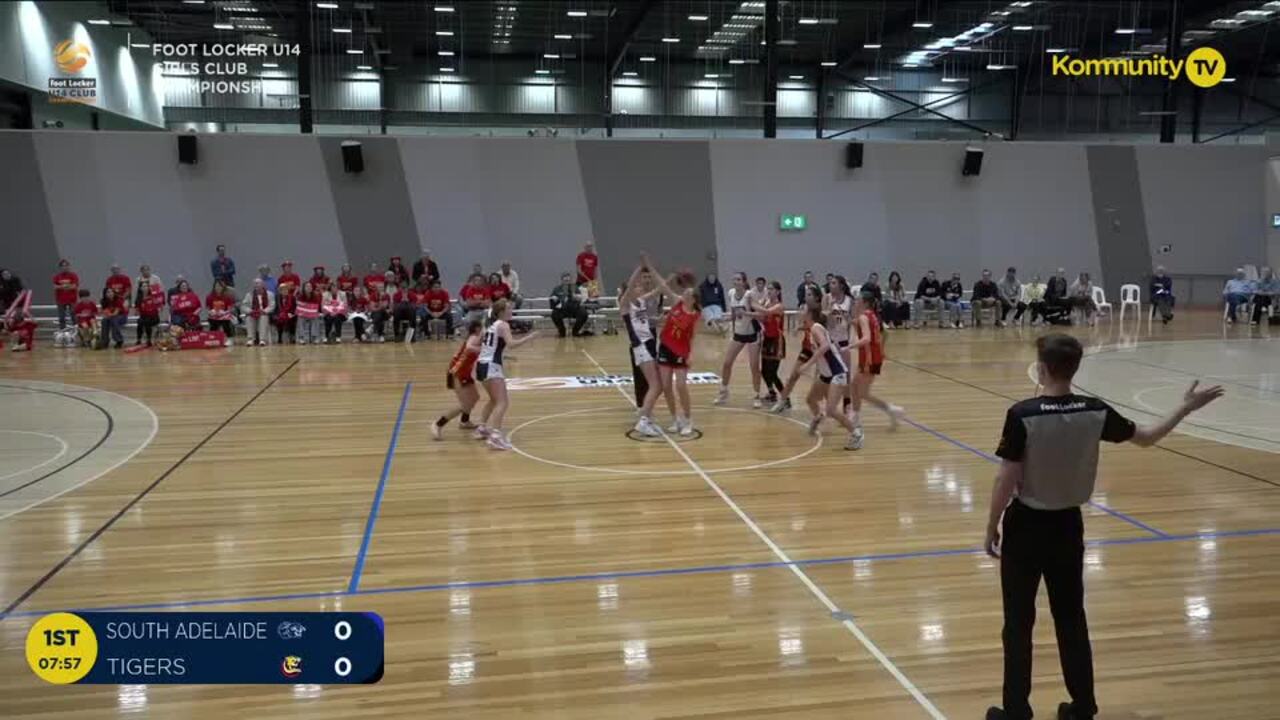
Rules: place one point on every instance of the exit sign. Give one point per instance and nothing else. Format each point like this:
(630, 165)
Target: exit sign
(792, 222)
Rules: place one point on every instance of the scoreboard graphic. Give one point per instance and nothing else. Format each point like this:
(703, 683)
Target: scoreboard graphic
(270, 648)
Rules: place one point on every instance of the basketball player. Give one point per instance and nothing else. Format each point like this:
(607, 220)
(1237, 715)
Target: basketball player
(838, 307)
(675, 345)
(488, 371)
(773, 343)
(644, 347)
(812, 300)
(461, 380)
(833, 376)
(870, 347)
(742, 310)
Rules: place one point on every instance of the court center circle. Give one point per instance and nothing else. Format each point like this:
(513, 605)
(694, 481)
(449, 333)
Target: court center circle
(817, 443)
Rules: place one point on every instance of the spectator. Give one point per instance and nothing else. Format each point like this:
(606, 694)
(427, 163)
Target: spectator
(400, 271)
(439, 307)
(223, 268)
(286, 318)
(19, 322)
(802, 288)
(589, 269)
(419, 298)
(359, 311)
(1237, 292)
(86, 314)
(309, 314)
(184, 306)
(10, 288)
(1010, 294)
(379, 306)
(566, 302)
(115, 310)
(374, 280)
(953, 297)
(475, 298)
(147, 282)
(478, 269)
(289, 281)
(220, 304)
(830, 282)
(1056, 301)
(150, 303)
(985, 295)
(896, 311)
(319, 280)
(1161, 291)
(119, 282)
(426, 266)
(258, 305)
(1033, 297)
(1081, 295)
(402, 310)
(66, 288)
(711, 298)
(498, 290)
(271, 284)
(928, 297)
(872, 288)
(333, 303)
(1264, 294)
(512, 279)
(347, 281)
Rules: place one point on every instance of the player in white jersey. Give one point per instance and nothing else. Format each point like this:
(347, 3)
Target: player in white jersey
(830, 385)
(838, 307)
(633, 307)
(746, 333)
(489, 372)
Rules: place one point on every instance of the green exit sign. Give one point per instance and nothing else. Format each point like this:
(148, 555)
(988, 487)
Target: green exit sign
(792, 222)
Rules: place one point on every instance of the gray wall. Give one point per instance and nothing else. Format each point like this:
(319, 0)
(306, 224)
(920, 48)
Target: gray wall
(103, 197)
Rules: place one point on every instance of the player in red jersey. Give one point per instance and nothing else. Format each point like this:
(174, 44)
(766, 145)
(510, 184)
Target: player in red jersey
(869, 343)
(773, 344)
(812, 299)
(461, 380)
(675, 344)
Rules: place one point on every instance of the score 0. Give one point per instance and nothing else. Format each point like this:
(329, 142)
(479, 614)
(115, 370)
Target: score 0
(342, 631)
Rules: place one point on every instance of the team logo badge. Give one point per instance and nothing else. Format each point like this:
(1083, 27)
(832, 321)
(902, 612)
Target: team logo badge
(289, 630)
(291, 666)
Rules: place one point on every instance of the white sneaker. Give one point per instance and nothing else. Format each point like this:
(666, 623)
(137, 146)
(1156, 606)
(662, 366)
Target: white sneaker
(248, 343)
(481, 432)
(226, 343)
(382, 338)
(408, 336)
(338, 340)
(855, 440)
(896, 413)
(467, 425)
(757, 403)
(686, 430)
(436, 433)
(675, 426)
(498, 442)
(814, 422)
(646, 427)
(781, 406)
(722, 395)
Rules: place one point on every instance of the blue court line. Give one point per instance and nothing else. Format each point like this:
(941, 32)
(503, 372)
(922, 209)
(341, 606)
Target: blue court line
(696, 570)
(992, 458)
(354, 585)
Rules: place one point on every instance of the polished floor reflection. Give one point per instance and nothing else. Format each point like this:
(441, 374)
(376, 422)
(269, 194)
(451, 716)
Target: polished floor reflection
(754, 572)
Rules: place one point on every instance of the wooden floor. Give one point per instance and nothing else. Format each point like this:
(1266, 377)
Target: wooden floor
(594, 576)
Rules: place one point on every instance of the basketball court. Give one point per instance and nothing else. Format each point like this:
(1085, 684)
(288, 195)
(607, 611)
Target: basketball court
(748, 571)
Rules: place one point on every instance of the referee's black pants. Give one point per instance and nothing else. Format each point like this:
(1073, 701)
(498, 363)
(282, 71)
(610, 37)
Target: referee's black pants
(1047, 543)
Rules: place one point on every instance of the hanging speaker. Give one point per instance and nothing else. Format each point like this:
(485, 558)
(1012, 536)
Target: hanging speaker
(352, 156)
(188, 154)
(853, 155)
(972, 161)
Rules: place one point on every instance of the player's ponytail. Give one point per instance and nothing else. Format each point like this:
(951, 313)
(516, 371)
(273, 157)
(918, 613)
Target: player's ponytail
(498, 309)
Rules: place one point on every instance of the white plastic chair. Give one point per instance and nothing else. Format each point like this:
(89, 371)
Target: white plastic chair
(1100, 300)
(1130, 294)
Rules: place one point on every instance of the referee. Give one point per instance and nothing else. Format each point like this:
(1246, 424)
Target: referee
(1049, 449)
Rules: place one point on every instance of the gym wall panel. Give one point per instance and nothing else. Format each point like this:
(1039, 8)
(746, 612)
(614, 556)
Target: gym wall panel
(653, 195)
(373, 208)
(1120, 218)
(27, 245)
(755, 182)
(1208, 202)
(489, 200)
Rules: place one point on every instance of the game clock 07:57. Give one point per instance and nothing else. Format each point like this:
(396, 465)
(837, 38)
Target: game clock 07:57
(61, 648)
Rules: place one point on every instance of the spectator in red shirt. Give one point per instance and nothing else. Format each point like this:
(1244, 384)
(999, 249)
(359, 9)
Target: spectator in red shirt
(498, 290)
(115, 310)
(66, 287)
(221, 305)
(379, 304)
(288, 279)
(375, 280)
(120, 283)
(147, 282)
(402, 297)
(419, 297)
(439, 307)
(287, 314)
(149, 307)
(309, 314)
(347, 282)
(184, 307)
(86, 314)
(401, 272)
(589, 266)
(318, 279)
(475, 298)
(360, 305)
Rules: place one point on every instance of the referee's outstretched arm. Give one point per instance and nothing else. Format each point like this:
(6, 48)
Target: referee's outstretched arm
(1193, 399)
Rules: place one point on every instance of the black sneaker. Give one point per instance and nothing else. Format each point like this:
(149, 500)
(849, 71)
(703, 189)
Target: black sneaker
(1067, 711)
(995, 713)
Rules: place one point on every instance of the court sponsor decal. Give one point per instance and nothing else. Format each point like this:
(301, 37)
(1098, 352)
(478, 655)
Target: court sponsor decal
(578, 382)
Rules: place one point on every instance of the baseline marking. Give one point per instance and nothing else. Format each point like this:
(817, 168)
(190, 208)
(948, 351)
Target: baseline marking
(358, 570)
(786, 560)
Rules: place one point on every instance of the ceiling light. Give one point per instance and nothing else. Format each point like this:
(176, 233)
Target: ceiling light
(223, 26)
(955, 79)
(796, 77)
(737, 61)
(192, 2)
(670, 39)
(1055, 51)
(342, 30)
(994, 66)
(354, 51)
(445, 53)
(808, 21)
(1225, 79)
(542, 72)
(922, 25)
(99, 22)
(874, 78)
(910, 65)
(648, 58)
(321, 5)
(364, 67)
(240, 8)
(444, 8)
(630, 73)
(564, 37)
(444, 33)
(577, 13)
(1023, 28)
(140, 45)
(270, 65)
(828, 63)
(551, 56)
(711, 76)
(870, 46)
(1125, 31)
(448, 70)
(698, 18)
